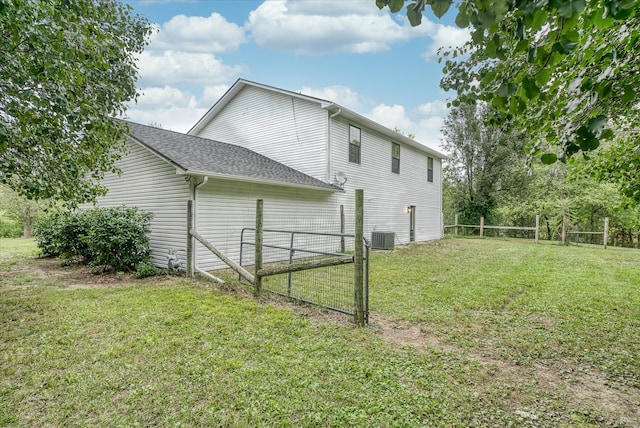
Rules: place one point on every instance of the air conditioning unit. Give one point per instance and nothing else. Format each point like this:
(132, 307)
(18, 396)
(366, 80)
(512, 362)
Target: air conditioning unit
(383, 240)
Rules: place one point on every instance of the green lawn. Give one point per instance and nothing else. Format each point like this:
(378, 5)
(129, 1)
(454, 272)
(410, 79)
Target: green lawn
(465, 332)
(13, 248)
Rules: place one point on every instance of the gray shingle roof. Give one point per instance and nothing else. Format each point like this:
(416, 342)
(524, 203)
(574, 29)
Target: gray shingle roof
(201, 155)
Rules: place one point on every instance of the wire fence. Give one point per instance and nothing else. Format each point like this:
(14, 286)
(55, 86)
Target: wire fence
(324, 238)
(565, 230)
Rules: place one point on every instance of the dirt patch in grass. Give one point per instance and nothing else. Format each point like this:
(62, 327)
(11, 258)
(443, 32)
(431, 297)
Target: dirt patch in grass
(584, 388)
(51, 271)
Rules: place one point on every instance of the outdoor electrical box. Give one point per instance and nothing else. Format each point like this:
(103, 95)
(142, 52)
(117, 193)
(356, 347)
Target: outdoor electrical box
(383, 240)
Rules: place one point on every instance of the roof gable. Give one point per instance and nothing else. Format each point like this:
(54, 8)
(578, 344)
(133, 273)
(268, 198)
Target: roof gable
(330, 106)
(201, 156)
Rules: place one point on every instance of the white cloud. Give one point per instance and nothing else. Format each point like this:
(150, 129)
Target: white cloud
(433, 108)
(425, 126)
(176, 67)
(392, 117)
(212, 34)
(313, 27)
(338, 94)
(211, 94)
(168, 106)
(444, 36)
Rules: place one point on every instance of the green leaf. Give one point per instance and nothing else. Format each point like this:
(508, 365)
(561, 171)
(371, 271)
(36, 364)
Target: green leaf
(564, 46)
(549, 158)
(569, 8)
(414, 16)
(396, 5)
(499, 103)
(530, 88)
(381, 4)
(507, 89)
(629, 94)
(488, 77)
(596, 125)
(539, 18)
(543, 76)
(590, 144)
(487, 18)
(603, 21)
(440, 7)
(607, 134)
(462, 19)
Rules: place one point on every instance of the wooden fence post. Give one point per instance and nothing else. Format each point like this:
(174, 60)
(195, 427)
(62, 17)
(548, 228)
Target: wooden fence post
(190, 263)
(537, 234)
(258, 248)
(456, 224)
(605, 237)
(342, 247)
(481, 226)
(359, 261)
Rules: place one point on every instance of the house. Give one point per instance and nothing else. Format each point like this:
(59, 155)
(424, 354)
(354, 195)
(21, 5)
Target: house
(302, 155)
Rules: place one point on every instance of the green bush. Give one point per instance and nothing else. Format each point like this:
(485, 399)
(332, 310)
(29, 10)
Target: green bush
(114, 238)
(9, 229)
(145, 269)
(48, 234)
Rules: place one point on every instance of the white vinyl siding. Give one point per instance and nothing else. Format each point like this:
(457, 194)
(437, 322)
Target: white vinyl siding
(224, 208)
(386, 194)
(151, 184)
(285, 128)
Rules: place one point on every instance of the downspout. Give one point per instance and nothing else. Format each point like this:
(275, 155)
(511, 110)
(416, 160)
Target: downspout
(329, 144)
(194, 198)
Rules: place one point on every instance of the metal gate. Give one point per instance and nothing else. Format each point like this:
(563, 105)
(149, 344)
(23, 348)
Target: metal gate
(320, 266)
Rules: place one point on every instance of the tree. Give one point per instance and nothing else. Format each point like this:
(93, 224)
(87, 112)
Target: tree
(483, 165)
(23, 211)
(562, 72)
(66, 70)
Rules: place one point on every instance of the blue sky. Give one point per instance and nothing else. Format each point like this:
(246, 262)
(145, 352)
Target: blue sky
(345, 51)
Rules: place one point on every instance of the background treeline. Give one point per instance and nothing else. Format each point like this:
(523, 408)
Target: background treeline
(492, 173)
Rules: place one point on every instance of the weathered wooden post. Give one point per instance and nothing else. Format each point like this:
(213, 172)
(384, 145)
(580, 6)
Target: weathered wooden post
(359, 261)
(342, 247)
(258, 248)
(481, 226)
(456, 224)
(605, 236)
(190, 264)
(537, 234)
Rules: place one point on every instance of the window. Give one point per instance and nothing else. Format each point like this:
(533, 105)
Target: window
(354, 144)
(430, 170)
(395, 158)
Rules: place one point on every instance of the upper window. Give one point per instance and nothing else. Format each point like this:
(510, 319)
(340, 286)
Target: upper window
(395, 158)
(430, 169)
(354, 144)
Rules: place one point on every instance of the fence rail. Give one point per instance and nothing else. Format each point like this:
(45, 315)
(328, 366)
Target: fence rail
(564, 232)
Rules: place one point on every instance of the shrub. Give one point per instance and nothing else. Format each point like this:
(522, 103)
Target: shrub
(48, 234)
(114, 238)
(117, 237)
(145, 269)
(59, 234)
(9, 229)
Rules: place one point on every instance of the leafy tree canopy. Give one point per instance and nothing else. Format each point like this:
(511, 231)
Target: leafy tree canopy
(563, 72)
(66, 70)
(484, 163)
